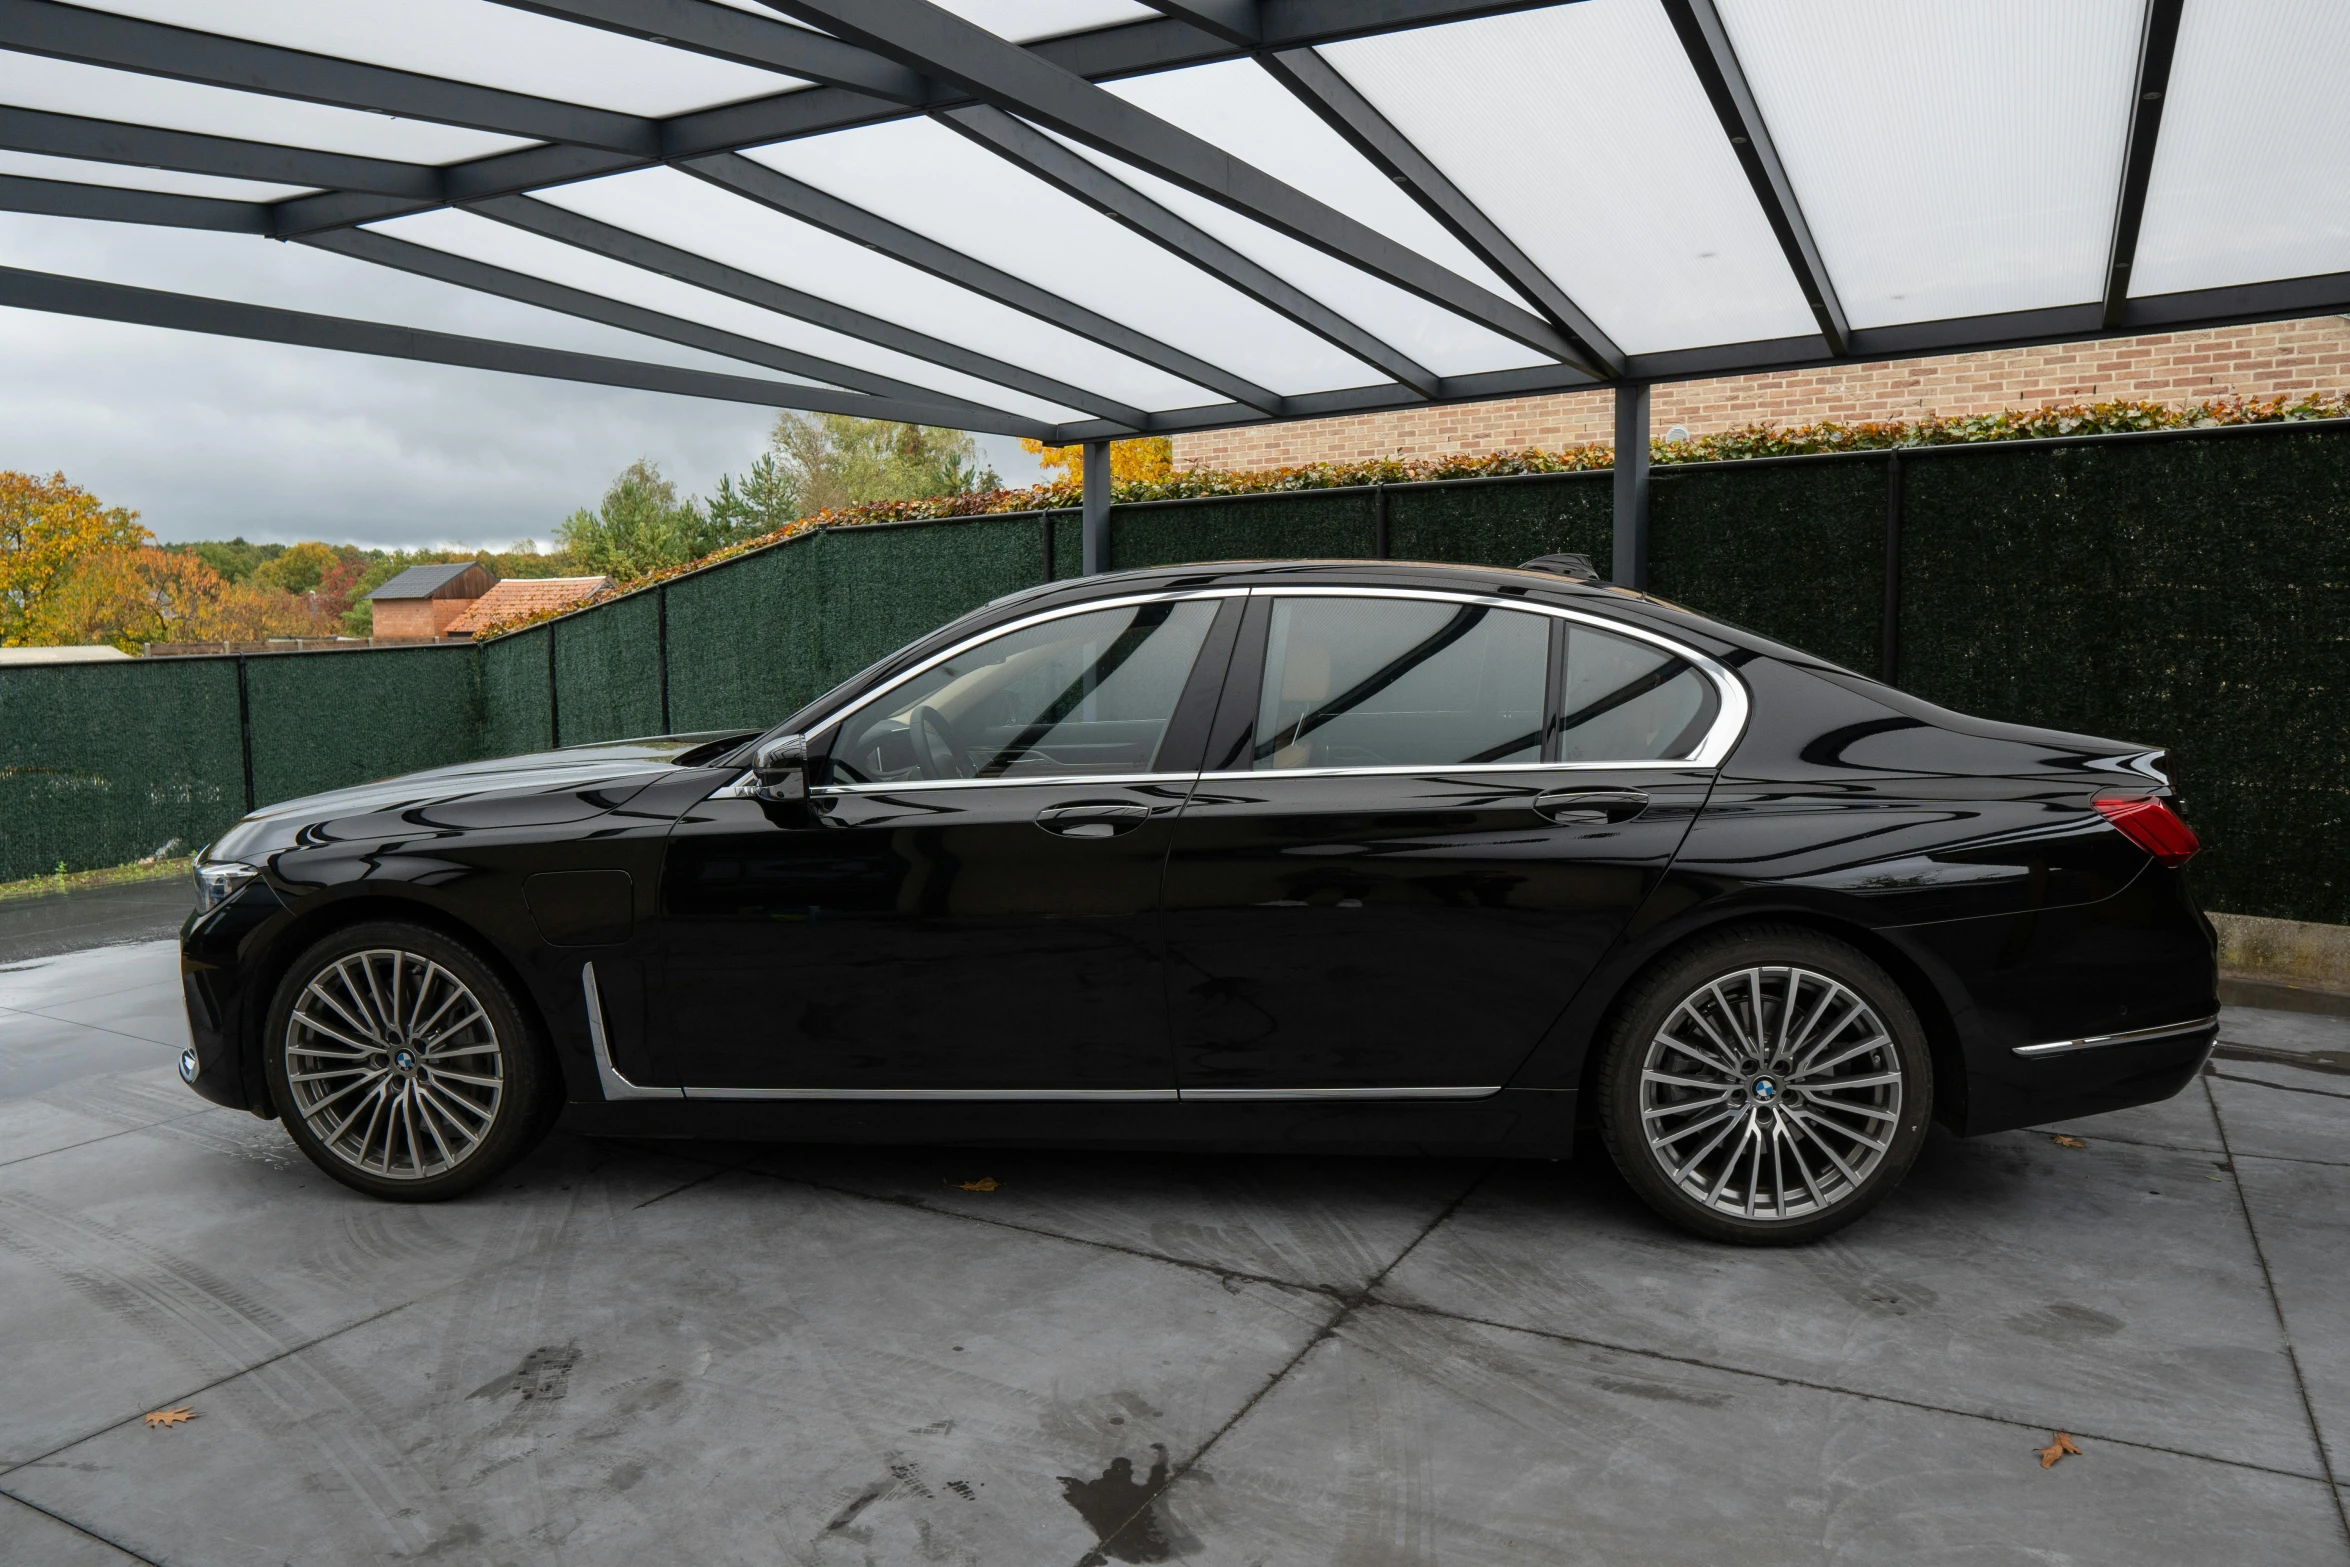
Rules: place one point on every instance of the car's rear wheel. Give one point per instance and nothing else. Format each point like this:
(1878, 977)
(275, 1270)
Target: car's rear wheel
(402, 1065)
(1766, 1086)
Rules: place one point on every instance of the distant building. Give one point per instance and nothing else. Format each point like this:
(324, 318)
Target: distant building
(419, 604)
(59, 655)
(523, 596)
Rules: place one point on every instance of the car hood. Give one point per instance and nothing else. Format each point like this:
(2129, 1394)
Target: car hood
(543, 787)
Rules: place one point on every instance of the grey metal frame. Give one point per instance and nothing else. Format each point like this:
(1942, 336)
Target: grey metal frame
(887, 59)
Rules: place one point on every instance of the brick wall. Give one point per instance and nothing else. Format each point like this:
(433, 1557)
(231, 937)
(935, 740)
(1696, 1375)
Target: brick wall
(2272, 359)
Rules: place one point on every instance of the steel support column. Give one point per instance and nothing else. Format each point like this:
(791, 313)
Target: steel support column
(1096, 528)
(1629, 567)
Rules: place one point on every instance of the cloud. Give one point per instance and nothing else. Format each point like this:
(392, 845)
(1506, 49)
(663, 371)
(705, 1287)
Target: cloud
(212, 437)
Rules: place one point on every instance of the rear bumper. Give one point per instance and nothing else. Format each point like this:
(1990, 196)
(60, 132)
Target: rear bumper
(2076, 1011)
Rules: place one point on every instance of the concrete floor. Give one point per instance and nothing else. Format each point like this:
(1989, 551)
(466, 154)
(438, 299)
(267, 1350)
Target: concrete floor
(738, 1354)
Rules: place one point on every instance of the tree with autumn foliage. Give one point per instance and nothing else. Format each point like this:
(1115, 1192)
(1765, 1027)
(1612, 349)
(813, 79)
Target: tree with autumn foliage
(49, 528)
(1138, 461)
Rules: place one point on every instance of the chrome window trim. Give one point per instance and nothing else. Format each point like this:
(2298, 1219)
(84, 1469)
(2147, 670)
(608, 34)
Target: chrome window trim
(2135, 1036)
(615, 1086)
(1729, 723)
(1083, 1095)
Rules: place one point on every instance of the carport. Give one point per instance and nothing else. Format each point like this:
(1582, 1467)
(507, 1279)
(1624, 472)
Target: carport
(1081, 220)
(1086, 219)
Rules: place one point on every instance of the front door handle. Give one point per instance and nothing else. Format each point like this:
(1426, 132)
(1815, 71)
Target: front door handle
(1105, 820)
(1590, 807)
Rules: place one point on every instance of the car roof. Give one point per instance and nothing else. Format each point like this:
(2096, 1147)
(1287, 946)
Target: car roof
(1604, 598)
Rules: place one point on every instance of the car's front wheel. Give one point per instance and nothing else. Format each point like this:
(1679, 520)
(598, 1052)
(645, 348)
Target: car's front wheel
(1766, 1086)
(402, 1065)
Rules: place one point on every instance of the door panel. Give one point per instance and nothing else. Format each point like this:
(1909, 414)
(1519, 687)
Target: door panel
(931, 937)
(967, 901)
(1413, 846)
(1388, 931)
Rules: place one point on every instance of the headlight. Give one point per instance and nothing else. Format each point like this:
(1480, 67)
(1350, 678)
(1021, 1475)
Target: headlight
(217, 882)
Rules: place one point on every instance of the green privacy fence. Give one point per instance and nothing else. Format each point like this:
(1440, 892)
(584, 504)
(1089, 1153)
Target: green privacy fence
(2185, 588)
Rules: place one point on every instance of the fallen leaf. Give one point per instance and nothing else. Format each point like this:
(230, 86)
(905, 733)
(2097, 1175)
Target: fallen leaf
(2056, 1450)
(986, 1183)
(2063, 1141)
(170, 1417)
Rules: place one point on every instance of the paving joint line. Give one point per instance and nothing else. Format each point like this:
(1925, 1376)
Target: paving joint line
(2282, 1088)
(1347, 1306)
(80, 1529)
(1783, 1379)
(51, 1017)
(103, 1137)
(2284, 1328)
(220, 1381)
(924, 1205)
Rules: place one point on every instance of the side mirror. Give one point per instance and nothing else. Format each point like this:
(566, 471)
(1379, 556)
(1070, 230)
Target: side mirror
(781, 766)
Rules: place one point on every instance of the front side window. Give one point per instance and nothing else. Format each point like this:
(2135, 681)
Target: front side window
(1083, 695)
(1378, 682)
(1629, 701)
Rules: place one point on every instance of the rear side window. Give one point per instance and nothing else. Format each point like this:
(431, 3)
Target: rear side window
(1629, 701)
(1377, 682)
(1083, 695)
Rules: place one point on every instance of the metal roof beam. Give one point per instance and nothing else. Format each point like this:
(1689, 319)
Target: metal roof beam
(619, 244)
(1031, 149)
(113, 204)
(728, 34)
(2156, 44)
(68, 32)
(148, 147)
(46, 291)
(942, 45)
(1240, 23)
(481, 277)
(757, 182)
(1707, 44)
(1318, 85)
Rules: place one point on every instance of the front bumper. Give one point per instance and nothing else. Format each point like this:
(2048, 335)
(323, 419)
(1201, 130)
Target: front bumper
(215, 978)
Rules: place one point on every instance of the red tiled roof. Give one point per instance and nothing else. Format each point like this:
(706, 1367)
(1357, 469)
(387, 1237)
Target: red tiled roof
(524, 596)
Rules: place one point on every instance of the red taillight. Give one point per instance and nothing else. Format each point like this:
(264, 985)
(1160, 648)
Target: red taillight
(2153, 826)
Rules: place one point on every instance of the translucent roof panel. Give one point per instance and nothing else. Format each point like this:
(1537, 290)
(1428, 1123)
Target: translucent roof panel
(1582, 131)
(2248, 180)
(297, 277)
(679, 210)
(64, 87)
(1433, 336)
(1025, 21)
(1925, 173)
(920, 174)
(33, 165)
(1238, 106)
(482, 42)
(503, 245)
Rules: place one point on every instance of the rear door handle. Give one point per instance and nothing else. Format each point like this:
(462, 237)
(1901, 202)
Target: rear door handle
(1590, 807)
(1105, 820)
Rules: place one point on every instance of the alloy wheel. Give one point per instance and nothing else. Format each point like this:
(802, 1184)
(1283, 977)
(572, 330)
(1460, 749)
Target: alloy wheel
(1770, 1093)
(394, 1065)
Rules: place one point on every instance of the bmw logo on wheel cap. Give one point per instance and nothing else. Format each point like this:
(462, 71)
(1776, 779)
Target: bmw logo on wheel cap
(1765, 1089)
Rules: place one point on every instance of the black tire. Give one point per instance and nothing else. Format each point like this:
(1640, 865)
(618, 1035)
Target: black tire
(1693, 1095)
(437, 1106)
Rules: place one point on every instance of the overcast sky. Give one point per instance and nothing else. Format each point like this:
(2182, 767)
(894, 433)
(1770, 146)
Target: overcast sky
(209, 438)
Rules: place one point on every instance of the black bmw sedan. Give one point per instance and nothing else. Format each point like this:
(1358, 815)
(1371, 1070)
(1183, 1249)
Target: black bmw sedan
(1302, 855)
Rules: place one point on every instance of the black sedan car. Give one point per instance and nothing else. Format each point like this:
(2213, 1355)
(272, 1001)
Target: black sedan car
(1328, 855)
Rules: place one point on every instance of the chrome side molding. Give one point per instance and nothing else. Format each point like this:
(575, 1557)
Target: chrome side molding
(615, 1086)
(1242, 1095)
(1091, 1095)
(2135, 1036)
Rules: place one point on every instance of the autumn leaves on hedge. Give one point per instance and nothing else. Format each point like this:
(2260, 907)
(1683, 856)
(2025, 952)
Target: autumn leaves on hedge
(1141, 470)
